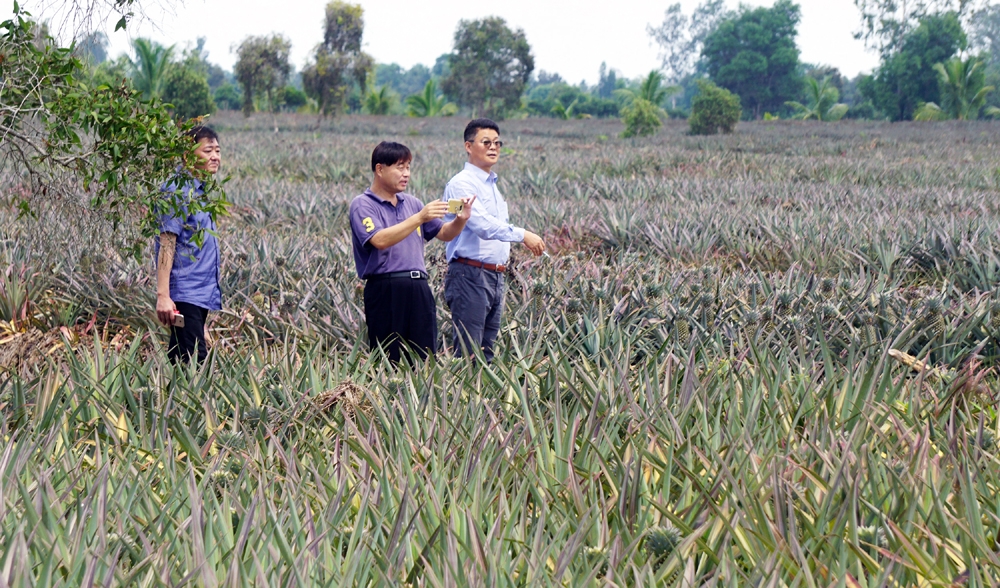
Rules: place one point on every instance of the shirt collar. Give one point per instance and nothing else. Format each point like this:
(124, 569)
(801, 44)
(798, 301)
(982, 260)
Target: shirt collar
(481, 174)
(400, 197)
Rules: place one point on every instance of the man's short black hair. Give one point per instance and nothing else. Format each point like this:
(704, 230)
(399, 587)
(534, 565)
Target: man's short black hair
(477, 125)
(199, 132)
(390, 153)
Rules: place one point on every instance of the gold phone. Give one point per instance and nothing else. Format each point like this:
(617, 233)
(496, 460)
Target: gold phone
(455, 206)
(178, 320)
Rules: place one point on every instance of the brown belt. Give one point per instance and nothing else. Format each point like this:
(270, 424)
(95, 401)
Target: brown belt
(493, 267)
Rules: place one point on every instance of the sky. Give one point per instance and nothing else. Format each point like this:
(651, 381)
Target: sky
(568, 38)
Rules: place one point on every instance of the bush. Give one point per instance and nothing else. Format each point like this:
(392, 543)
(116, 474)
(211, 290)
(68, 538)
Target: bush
(229, 97)
(187, 90)
(293, 98)
(714, 110)
(641, 118)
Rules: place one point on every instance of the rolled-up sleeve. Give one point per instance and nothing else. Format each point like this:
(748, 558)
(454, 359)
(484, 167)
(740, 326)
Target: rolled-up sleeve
(483, 224)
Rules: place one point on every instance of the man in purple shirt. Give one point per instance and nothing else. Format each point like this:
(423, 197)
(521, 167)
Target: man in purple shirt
(389, 228)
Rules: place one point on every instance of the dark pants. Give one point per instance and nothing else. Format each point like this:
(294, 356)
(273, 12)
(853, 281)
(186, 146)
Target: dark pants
(400, 313)
(475, 297)
(190, 339)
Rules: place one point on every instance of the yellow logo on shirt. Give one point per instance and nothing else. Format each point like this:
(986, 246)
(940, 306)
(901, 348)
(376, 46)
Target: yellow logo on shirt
(369, 225)
(418, 232)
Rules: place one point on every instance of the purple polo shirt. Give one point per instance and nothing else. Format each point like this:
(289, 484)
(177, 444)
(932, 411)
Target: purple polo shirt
(369, 215)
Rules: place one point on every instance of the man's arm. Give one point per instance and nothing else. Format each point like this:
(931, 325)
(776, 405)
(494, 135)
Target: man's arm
(389, 236)
(489, 228)
(451, 229)
(164, 305)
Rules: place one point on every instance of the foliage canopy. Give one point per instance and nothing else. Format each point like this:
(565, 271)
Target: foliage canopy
(907, 77)
(754, 55)
(186, 89)
(66, 138)
(338, 62)
(489, 67)
(262, 67)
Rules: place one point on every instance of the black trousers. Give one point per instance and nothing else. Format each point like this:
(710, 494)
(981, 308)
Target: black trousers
(188, 341)
(401, 314)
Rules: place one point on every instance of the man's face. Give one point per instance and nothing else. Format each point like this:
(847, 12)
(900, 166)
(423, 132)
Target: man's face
(484, 150)
(394, 177)
(209, 155)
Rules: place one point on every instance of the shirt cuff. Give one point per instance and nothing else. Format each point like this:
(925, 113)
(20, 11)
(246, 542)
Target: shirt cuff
(518, 235)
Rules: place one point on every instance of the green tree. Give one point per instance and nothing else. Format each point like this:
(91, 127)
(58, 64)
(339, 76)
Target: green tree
(338, 62)
(963, 91)
(714, 110)
(65, 137)
(681, 37)
(405, 82)
(651, 89)
(754, 55)
(186, 89)
(429, 103)
(906, 78)
(489, 67)
(150, 67)
(262, 67)
(379, 100)
(886, 24)
(228, 97)
(822, 102)
(641, 118)
(293, 98)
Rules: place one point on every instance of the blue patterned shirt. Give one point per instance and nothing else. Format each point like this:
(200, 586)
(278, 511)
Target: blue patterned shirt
(194, 277)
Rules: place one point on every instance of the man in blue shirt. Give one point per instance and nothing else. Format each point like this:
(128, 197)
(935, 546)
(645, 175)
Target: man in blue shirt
(477, 259)
(187, 275)
(388, 229)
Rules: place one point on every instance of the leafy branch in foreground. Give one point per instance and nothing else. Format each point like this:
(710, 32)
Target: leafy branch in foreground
(103, 146)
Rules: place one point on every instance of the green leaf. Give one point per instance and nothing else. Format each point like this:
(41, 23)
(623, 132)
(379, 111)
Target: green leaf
(121, 24)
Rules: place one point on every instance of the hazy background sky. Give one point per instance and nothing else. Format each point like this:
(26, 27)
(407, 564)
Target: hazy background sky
(569, 38)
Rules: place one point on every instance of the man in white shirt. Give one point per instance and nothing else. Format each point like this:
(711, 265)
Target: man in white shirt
(477, 258)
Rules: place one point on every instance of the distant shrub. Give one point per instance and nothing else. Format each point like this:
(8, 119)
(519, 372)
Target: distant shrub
(714, 110)
(228, 97)
(187, 90)
(641, 118)
(293, 98)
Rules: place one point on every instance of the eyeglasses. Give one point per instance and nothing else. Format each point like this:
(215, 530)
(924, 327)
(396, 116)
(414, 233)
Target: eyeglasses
(487, 144)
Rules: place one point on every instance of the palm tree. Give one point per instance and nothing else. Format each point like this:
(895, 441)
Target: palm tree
(566, 112)
(650, 89)
(429, 103)
(379, 101)
(822, 102)
(149, 69)
(963, 90)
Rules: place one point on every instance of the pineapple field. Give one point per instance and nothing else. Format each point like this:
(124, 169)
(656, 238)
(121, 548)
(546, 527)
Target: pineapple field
(763, 359)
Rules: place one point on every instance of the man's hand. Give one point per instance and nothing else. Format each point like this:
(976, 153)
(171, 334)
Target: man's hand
(534, 243)
(433, 210)
(165, 308)
(466, 209)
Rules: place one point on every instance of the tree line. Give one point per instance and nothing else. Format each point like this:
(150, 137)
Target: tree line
(937, 61)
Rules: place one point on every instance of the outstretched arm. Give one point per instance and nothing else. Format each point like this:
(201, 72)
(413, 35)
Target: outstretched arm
(389, 236)
(451, 229)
